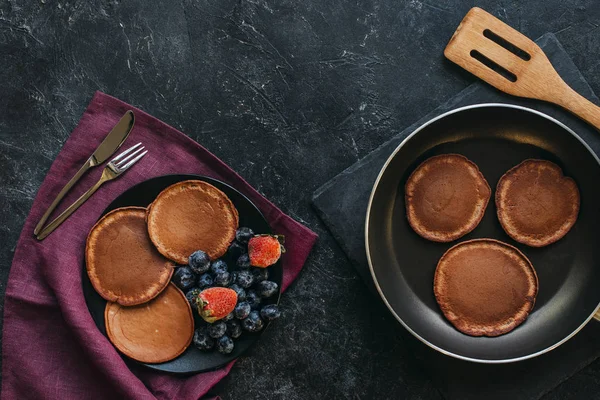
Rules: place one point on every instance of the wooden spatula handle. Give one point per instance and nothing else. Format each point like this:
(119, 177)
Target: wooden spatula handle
(568, 98)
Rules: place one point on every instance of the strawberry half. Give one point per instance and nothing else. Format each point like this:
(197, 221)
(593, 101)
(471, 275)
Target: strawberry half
(265, 250)
(216, 303)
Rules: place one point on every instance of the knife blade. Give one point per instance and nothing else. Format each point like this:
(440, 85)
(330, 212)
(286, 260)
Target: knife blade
(115, 138)
(107, 148)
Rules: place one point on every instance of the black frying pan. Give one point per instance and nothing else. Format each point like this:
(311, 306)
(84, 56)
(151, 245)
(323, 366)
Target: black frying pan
(496, 137)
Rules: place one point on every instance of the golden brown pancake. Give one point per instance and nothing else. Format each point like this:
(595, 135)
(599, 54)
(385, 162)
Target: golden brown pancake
(155, 332)
(190, 216)
(536, 204)
(485, 287)
(122, 263)
(446, 197)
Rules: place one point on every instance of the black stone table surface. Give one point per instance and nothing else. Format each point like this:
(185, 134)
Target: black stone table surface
(288, 93)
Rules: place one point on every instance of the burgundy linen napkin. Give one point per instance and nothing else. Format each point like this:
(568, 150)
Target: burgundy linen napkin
(51, 348)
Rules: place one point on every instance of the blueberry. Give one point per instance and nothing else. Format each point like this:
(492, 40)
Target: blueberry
(243, 234)
(266, 288)
(233, 275)
(199, 262)
(223, 278)
(236, 249)
(218, 266)
(184, 278)
(270, 312)
(217, 329)
(202, 340)
(243, 261)
(191, 296)
(228, 317)
(253, 299)
(205, 281)
(242, 310)
(253, 323)
(260, 274)
(245, 279)
(225, 345)
(241, 292)
(234, 329)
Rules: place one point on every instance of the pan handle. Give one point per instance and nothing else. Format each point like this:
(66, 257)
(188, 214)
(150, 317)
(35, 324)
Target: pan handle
(597, 316)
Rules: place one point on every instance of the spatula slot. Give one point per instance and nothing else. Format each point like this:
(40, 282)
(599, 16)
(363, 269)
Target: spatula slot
(522, 54)
(493, 66)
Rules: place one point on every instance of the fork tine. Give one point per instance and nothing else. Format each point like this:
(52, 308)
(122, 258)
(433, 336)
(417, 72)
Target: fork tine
(130, 163)
(129, 157)
(123, 154)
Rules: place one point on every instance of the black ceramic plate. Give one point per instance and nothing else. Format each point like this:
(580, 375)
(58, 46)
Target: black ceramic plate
(192, 360)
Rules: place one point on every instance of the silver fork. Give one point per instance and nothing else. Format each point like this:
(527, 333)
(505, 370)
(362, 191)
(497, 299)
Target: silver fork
(115, 168)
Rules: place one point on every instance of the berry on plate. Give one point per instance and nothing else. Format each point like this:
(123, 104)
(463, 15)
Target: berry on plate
(253, 299)
(243, 234)
(253, 323)
(223, 278)
(217, 329)
(236, 249)
(265, 250)
(260, 274)
(225, 345)
(184, 278)
(234, 329)
(266, 288)
(215, 303)
(245, 279)
(243, 261)
(270, 312)
(199, 262)
(205, 280)
(191, 296)
(202, 340)
(242, 310)
(218, 266)
(233, 280)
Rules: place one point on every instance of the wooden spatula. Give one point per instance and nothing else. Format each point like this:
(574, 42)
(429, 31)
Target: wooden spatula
(511, 62)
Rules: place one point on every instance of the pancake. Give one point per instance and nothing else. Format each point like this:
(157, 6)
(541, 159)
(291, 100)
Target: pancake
(537, 205)
(446, 197)
(122, 263)
(485, 287)
(155, 332)
(189, 216)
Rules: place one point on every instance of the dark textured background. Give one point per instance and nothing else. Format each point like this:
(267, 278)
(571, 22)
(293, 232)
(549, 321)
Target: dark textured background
(289, 93)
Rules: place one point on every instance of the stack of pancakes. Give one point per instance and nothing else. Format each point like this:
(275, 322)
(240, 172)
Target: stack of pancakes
(130, 257)
(485, 287)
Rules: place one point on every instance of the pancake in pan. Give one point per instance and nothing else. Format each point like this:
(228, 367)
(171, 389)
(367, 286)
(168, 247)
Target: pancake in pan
(485, 287)
(446, 197)
(121, 261)
(536, 204)
(192, 215)
(155, 332)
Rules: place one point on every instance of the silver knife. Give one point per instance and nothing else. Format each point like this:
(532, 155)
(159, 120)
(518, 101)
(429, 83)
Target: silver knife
(107, 148)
